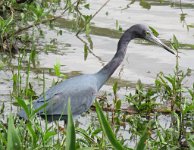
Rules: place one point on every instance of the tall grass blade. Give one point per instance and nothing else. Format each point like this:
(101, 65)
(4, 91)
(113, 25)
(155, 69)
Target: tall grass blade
(24, 106)
(13, 140)
(191, 141)
(142, 142)
(70, 140)
(107, 129)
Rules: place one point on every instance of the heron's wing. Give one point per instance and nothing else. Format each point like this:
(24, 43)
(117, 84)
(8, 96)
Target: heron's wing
(80, 99)
(39, 103)
(46, 99)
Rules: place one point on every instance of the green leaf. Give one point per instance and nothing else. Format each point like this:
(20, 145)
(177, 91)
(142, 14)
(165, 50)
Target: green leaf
(188, 108)
(96, 131)
(60, 32)
(191, 26)
(115, 88)
(177, 120)
(57, 69)
(190, 140)
(2, 65)
(144, 4)
(88, 30)
(13, 140)
(118, 104)
(171, 80)
(32, 133)
(85, 135)
(24, 106)
(2, 108)
(183, 16)
(107, 129)
(48, 135)
(40, 108)
(154, 31)
(142, 142)
(160, 135)
(85, 51)
(90, 42)
(87, 6)
(70, 141)
(175, 43)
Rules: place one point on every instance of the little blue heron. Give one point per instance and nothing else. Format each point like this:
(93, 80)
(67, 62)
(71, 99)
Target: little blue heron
(82, 90)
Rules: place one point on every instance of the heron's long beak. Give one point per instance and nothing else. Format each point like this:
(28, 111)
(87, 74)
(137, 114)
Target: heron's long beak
(160, 43)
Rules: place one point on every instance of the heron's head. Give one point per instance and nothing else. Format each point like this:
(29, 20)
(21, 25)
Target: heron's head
(142, 31)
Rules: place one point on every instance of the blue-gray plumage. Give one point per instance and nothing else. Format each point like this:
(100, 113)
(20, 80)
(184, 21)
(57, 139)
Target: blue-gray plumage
(81, 90)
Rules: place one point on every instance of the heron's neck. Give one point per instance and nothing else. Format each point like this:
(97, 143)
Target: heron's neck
(104, 74)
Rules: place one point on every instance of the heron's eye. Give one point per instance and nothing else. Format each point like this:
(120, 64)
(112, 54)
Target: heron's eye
(148, 33)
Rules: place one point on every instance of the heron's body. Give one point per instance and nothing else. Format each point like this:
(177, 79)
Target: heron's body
(81, 90)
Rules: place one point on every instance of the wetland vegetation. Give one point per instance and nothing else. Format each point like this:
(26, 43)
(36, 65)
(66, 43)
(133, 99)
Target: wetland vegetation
(155, 112)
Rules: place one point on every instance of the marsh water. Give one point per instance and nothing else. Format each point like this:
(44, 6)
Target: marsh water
(143, 61)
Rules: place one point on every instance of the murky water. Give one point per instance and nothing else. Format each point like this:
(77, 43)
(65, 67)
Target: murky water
(142, 61)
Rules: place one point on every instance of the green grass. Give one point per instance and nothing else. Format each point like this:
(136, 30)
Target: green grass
(144, 128)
